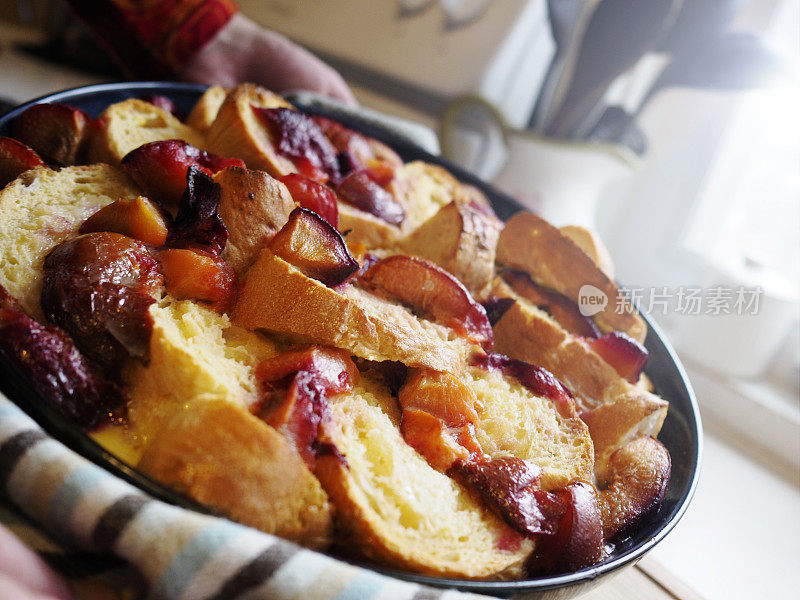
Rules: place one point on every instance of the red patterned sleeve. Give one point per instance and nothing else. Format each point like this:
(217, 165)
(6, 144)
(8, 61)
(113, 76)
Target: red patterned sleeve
(154, 39)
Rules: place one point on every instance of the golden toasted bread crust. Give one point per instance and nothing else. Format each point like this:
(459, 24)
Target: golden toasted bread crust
(530, 334)
(237, 131)
(633, 485)
(220, 455)
(365, 228)
(125, 126)
(460, 239)
(278, 297)
(590, 242)
(531, 244)
(253, 206)
(617, 423)
(205, 110)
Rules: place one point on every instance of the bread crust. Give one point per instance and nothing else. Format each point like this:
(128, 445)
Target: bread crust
(205, 110)
(591, 243)
(365, 228)
(253, 206)
(223, 457)
(460, 239)
(528, 333)
(531, 244)
(237, 131)
(277, 297)
(360, 534)
(617, 423)
(125, 126)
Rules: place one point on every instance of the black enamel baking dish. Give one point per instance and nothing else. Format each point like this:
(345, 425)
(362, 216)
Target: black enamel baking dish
(681, 434)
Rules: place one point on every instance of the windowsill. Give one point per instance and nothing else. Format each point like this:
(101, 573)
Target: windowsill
(759, 418)
(738, 539)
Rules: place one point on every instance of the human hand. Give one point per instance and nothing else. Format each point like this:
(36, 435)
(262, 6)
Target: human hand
(245, 51)
(24, 575)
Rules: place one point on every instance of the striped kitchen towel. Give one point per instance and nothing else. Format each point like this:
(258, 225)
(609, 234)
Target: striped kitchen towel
(177, 553)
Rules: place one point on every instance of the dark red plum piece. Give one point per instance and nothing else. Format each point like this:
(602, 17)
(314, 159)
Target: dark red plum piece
(59, 133)
(510, 486)
(622, 352)
(311, 244)
(313, 196)
(432, 291)
(198, 223)
(296, 388)
(297, 137)
(161, 168)
(49, 360)
(98, 287)
(361, 190)
(15, 159)
(578, 541)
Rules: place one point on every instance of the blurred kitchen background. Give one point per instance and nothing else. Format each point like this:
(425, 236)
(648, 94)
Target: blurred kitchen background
(671, 127)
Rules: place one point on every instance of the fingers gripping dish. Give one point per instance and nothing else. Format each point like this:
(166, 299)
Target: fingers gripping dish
(277, 317)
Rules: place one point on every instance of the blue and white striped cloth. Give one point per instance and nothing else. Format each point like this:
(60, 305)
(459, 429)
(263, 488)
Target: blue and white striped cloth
(177, 554)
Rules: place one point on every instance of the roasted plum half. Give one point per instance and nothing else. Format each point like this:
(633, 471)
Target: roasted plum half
(161, 168)
(312, 245)
(297, 137)
(59, 133)
(99, 287)
(15, 159)
(433, 291)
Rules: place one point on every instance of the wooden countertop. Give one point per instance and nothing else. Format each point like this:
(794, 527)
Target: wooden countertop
(647, 580)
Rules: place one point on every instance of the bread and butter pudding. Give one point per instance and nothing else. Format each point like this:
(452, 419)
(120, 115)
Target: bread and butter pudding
(277, 317)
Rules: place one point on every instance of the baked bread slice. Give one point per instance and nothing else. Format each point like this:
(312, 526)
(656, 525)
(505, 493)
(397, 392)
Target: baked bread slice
(253, 206)
(42, 208)
(189, 426)
(125, 126)
(462, 239)
(364, 228)
(195, 354)
(616, 424)
(528, 333)
(205, 110)
(278, 297)
(529, 243)
(237, 130)
(590, 242)
(220, 455)
(423, 189)
(394, 509)
(513, 421)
